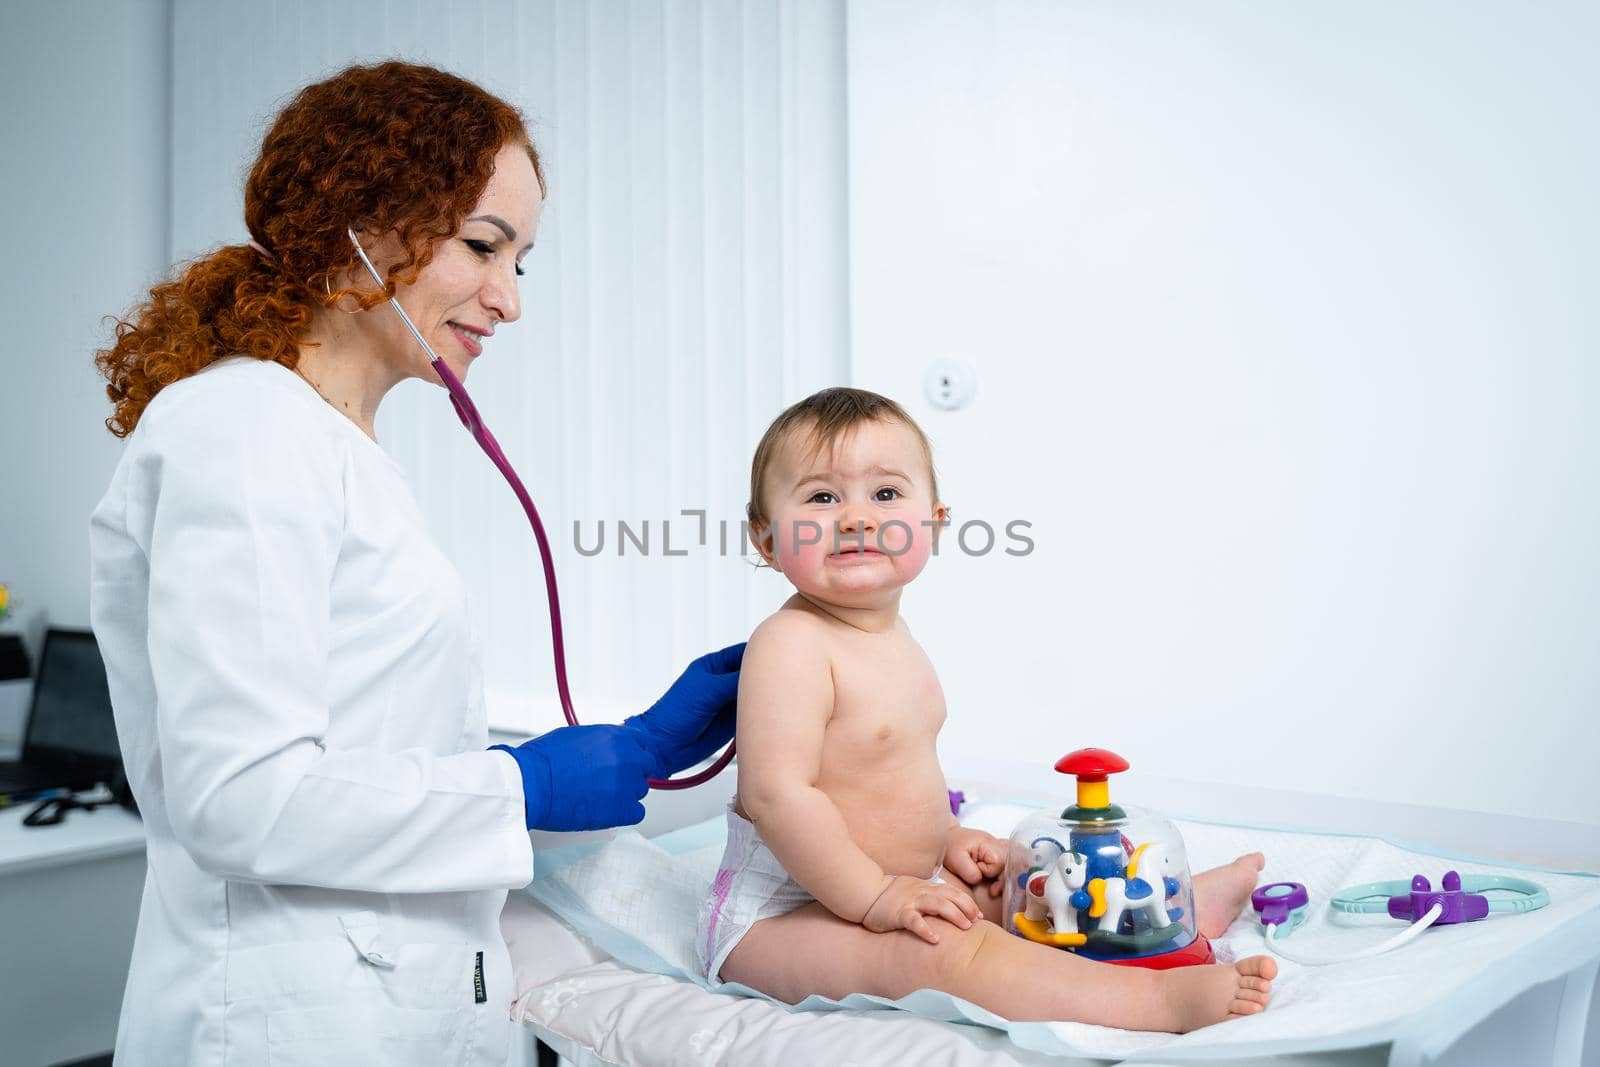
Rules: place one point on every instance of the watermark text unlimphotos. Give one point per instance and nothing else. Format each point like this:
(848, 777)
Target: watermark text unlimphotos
(974, 537)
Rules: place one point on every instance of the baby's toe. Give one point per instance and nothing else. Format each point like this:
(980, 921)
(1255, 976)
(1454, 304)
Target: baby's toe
(1258, 967)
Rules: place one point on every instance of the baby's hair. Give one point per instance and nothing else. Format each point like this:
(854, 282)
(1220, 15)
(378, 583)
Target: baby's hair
(824, 417)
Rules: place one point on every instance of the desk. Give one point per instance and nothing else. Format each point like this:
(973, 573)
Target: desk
(69, 904)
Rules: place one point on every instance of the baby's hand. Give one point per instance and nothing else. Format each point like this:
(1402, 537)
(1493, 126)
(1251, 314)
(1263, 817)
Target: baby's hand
(906, 902)
(972, 856)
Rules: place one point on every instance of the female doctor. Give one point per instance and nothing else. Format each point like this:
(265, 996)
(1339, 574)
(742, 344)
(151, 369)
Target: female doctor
(297, 693)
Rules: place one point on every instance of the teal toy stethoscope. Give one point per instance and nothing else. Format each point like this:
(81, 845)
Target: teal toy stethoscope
(1281, 907)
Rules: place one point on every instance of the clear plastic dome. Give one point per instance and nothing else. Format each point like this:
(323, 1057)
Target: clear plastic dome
(1105, 881)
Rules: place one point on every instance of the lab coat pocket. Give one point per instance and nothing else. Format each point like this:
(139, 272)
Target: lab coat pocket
(362, 999)
(358, 1034)
(407, 975)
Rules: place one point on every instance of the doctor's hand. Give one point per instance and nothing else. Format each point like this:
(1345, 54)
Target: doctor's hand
(695, 717)
(582, 777)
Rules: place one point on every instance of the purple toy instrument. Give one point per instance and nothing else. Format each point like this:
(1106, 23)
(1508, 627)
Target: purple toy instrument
(1281, 907)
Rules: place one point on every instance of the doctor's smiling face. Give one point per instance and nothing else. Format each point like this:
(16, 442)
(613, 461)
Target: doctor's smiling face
(471, 285)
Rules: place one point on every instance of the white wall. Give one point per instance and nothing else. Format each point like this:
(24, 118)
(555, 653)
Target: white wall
(1282, 331)
(1282, 318)
(83, 196)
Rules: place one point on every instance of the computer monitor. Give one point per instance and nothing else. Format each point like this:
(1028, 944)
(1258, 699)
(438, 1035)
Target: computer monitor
(71, 725)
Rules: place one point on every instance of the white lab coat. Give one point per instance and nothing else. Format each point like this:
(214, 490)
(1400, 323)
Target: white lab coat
(299, 703)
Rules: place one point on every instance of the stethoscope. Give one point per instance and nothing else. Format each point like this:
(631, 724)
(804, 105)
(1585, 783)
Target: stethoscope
(468, 413)
(1281, 908)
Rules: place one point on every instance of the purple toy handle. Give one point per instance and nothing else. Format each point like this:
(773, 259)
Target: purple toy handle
(1456, 906)
(1275, 902)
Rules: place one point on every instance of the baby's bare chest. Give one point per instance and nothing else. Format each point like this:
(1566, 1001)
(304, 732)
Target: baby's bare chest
(888, 705)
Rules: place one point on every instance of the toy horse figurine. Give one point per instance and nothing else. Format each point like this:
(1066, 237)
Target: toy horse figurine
(1059, 890)
(1052, 886)
(1042, 855)
(1115, 896)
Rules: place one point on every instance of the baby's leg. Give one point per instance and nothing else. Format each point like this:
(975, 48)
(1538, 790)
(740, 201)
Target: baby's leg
(814, 951)
(1220, 894)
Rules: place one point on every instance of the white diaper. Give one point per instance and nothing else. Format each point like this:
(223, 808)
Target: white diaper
(751, 885)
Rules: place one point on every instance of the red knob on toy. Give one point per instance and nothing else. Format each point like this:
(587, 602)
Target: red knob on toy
(1091, 766)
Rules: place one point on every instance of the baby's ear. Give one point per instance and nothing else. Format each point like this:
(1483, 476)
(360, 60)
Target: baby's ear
(761, 539)
(941, 516)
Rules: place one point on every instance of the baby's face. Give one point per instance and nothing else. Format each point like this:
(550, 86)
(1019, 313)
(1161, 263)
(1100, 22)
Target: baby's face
(853, 524)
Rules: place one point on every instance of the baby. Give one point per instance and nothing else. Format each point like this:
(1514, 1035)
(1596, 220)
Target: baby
(844, 870)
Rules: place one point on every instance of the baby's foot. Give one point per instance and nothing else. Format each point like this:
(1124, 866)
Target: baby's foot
(1219, 895)
(1201, 996)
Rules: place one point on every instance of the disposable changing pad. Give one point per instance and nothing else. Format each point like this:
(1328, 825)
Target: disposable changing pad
(637, 899)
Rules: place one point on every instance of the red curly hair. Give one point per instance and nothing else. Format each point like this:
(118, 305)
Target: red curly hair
(393, 147)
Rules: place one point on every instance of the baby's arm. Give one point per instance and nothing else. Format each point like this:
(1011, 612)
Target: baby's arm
(785, 701)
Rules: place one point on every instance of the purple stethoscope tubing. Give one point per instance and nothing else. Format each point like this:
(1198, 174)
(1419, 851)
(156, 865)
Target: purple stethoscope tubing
(467, 412)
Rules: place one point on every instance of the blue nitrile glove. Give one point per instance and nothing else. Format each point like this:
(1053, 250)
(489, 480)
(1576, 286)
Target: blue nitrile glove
(695, 717)
(583, 777)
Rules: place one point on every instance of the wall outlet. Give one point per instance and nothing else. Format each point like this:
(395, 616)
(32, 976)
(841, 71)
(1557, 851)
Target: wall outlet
(950, 385)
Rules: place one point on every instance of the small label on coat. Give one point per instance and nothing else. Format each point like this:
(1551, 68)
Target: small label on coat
(479, 995)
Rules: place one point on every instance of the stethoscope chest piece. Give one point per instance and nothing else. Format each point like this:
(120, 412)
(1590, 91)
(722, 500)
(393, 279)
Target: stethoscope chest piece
(1281, 905)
